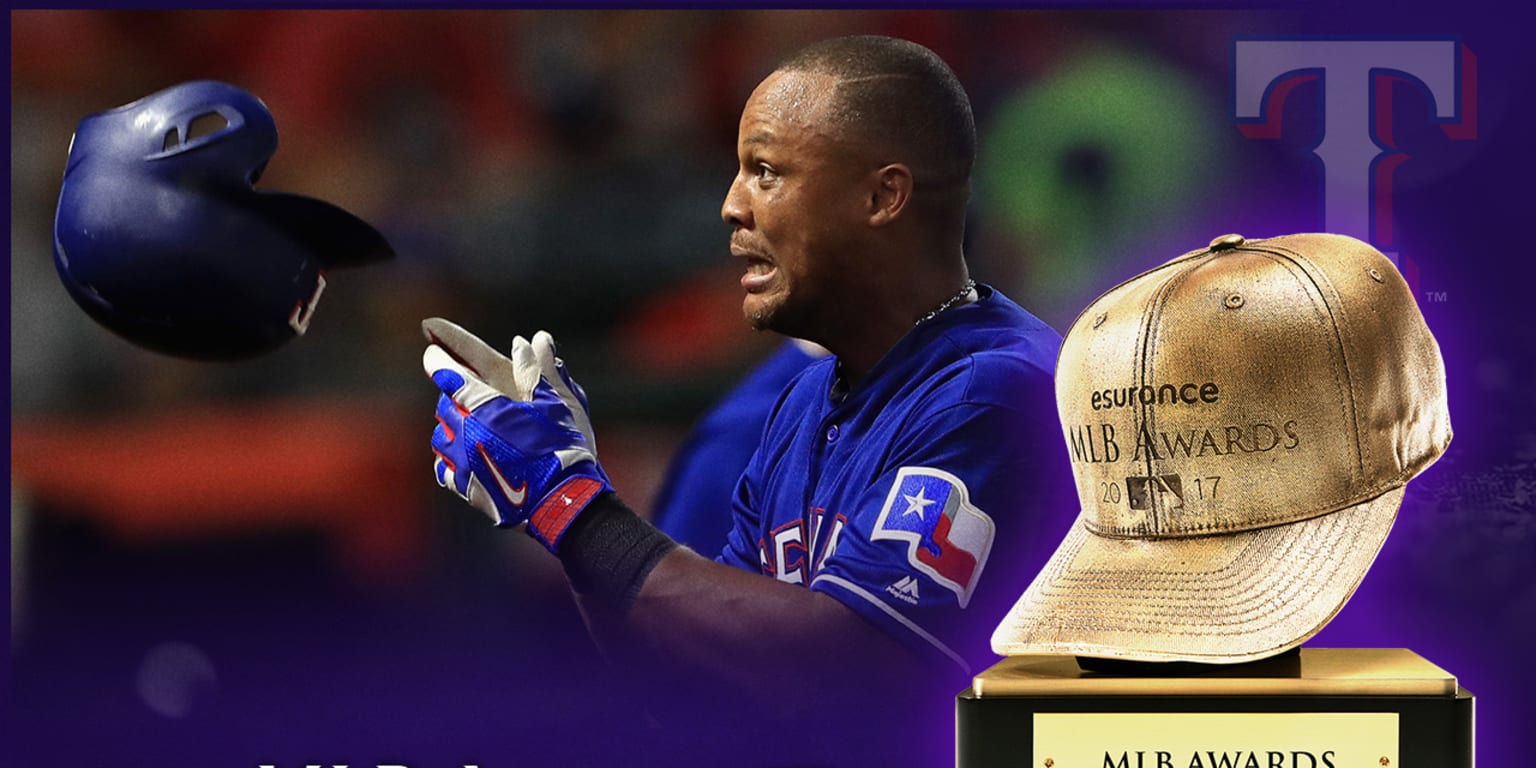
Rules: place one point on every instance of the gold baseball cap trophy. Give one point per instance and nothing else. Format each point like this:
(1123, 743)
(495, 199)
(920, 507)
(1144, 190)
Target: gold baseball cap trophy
(1242, 422)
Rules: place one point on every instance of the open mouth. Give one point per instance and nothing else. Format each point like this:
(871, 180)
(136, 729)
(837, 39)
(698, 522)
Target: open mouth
(760, 271)
(758, 275)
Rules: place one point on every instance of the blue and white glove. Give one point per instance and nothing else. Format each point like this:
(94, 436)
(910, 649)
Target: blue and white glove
(514, 438)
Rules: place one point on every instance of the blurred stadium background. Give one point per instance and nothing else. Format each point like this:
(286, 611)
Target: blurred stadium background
(250, 563)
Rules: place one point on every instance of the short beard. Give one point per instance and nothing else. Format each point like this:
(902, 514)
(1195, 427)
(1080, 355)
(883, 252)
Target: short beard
(778, 319)
(760, 321)
(762, 316)
(788, 315)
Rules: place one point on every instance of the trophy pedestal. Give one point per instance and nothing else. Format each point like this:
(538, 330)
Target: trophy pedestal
(1319, 708)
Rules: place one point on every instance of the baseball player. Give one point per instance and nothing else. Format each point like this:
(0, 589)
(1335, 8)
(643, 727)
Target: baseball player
(906, 487)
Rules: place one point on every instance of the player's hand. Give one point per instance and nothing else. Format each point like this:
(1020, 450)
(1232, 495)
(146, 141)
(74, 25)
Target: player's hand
(519, 456)
(554, 371)
(518, 375)
(490, 366)
(521, 372)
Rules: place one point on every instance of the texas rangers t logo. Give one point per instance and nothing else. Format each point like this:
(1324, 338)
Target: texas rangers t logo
(947, 538)
(1358, 152)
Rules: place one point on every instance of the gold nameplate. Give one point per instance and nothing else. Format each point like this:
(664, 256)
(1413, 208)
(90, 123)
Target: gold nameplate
(1215, 740)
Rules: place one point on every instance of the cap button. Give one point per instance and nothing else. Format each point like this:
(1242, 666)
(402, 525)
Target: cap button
(1227, 242)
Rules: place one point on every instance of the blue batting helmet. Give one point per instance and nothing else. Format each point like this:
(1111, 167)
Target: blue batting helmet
(161, 236)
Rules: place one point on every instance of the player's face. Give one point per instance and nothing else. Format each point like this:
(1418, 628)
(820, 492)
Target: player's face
(795, 206)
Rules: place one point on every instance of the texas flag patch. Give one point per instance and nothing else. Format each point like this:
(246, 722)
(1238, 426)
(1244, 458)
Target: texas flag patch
(947, 538)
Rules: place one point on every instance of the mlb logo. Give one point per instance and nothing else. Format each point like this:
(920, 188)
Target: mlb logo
(1168, 489)
(947, 538)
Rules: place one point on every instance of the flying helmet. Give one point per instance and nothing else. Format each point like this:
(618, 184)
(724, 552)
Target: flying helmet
(162, 237)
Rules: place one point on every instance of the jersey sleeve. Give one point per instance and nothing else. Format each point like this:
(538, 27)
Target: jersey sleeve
(968, 506)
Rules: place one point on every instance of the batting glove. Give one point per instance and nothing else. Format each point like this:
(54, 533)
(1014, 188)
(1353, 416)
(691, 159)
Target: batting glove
(514, 438)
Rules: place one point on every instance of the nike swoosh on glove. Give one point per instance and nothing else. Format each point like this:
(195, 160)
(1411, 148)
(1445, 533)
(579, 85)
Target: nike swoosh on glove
(524, 456)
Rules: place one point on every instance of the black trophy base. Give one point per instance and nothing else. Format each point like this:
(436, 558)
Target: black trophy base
(1325, 708)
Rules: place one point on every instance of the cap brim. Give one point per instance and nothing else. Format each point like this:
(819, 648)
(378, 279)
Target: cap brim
(1223, 599)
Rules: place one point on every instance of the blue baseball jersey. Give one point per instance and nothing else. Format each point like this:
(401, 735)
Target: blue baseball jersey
(926, 497)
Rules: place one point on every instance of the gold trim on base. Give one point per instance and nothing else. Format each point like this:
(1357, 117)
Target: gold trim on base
(1322, 672)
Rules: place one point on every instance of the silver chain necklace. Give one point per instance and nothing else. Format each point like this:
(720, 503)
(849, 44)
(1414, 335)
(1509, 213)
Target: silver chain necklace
(840, 386)
(965, 291)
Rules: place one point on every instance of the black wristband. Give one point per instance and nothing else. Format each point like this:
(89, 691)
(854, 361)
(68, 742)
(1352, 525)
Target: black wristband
(608, 551)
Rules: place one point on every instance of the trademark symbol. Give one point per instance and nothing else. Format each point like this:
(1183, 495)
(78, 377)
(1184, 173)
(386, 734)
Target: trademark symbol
(1436, 297)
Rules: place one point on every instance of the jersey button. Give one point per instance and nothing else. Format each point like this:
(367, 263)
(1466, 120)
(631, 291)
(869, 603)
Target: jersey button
(832, 434)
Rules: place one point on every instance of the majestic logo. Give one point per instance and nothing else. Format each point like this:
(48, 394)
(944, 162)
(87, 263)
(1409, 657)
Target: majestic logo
(905, 589)
(1358, 150)
(947, 538)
